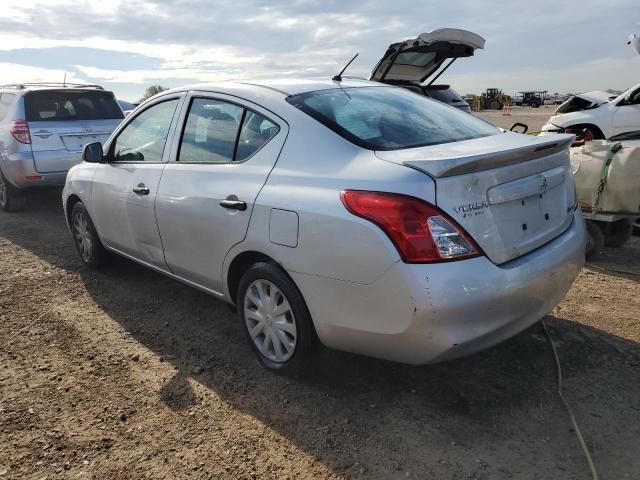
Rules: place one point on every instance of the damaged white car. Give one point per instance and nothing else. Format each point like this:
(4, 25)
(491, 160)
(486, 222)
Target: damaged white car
(597, 115)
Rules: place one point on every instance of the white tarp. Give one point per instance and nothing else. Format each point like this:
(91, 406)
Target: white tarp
(621, 193)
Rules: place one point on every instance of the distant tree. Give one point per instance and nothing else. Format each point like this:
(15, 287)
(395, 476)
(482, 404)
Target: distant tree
(151, 91)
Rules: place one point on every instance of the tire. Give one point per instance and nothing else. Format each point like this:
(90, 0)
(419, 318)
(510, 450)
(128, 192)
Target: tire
(618, 233)
(495, 105)
(12, 199)
(92, 252)
(282, 343)
(595, 240)
(636, 226)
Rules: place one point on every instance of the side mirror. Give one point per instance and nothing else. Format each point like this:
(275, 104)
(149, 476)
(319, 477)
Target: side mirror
(517, 125)
(92, 152)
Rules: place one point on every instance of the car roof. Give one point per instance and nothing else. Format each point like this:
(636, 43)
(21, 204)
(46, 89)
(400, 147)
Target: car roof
(284, 86)
(27, 87)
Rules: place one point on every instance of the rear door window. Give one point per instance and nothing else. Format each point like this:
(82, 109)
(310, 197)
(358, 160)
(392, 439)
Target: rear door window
(211, 131)
(221, 132)
(53, 105)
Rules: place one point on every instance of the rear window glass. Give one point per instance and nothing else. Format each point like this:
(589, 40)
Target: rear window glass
(60, 106)
(416, 59)
(388, 118)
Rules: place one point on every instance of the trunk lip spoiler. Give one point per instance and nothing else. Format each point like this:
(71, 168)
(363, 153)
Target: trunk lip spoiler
(452, 166)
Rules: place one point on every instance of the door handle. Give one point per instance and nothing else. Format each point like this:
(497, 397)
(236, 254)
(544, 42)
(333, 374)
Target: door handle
(141, 189)
(233, 203)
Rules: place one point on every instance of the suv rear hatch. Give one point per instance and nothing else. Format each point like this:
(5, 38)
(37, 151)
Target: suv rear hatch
(62, 121)
(414, 60)
(512, 193)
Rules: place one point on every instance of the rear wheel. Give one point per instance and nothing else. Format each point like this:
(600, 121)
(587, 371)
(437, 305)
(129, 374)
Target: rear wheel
(92, 252)
(618, 233)
(12, 199)
(495, 105)
(275, 318)
(595, 240)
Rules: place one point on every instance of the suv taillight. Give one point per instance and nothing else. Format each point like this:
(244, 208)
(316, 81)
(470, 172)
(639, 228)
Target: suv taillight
(421, 232)
(20, 131)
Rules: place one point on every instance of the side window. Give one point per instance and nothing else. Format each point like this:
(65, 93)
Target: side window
(211, 131)
(143, 139)
(256, 131)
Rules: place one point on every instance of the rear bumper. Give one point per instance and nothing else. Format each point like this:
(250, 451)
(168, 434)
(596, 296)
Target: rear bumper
(19, 169)
(430, 313)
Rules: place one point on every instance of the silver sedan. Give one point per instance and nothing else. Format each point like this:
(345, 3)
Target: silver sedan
(349, 213)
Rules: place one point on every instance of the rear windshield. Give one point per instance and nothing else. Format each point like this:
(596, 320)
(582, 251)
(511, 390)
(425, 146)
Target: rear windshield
(61, 105)
(388, 118)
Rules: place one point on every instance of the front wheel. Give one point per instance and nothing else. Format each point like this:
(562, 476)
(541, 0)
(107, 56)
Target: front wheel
(618, 233)
(11, 198)
(92, 252)
(275, 318)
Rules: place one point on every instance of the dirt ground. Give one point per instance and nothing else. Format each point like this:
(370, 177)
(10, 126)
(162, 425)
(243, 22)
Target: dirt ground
(535, 118)
(126, 374)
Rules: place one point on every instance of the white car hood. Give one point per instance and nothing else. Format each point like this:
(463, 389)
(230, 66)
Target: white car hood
(596, 96)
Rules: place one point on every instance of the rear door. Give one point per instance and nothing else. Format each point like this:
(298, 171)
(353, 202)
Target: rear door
(414, 60)
(221, 159)
(125, 188)
(62, 121)
(626, 117)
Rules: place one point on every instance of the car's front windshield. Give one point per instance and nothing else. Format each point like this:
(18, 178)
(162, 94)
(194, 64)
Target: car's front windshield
(389, 118)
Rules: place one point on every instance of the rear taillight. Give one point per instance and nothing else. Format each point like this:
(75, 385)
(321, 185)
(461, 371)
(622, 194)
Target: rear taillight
(20, 131)
(421, 232)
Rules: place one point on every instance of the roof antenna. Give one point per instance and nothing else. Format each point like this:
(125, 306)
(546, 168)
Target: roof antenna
(338, 77)
(64, 81)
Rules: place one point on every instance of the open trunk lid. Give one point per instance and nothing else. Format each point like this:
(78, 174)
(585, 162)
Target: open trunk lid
(512, 193)
(415, 59)
(62, 121)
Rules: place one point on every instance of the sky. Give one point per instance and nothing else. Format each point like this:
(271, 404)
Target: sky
(559, 46)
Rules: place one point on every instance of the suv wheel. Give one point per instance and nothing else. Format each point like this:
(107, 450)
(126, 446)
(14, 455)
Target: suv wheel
(11, 198)
(618, 233)
(275, 318)
(595, 240)
(86, 239)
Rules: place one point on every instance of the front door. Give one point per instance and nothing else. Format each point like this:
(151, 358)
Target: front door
(627, 117)
(205, 199)
(125, 188)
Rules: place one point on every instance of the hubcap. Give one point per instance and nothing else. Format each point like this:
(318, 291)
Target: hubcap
(3, 192)
(270, 321)
(82, 235)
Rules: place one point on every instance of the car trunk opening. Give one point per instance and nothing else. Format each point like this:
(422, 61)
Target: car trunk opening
(62, 121)
(511, 194)
(416, 59)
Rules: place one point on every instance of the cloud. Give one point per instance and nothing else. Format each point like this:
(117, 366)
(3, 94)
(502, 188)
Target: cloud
(544, 45)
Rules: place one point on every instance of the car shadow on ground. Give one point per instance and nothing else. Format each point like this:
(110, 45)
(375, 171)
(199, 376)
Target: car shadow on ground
(347, 406)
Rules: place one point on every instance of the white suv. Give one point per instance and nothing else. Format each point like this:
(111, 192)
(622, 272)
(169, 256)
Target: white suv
(43, 128)
(594, 115)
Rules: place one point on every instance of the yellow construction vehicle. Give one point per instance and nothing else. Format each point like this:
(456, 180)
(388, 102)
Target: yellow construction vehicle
(491, 99)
